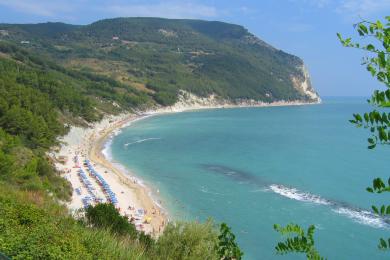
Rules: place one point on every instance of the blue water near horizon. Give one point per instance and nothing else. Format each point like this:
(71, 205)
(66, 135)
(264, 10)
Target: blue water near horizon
(254, 167)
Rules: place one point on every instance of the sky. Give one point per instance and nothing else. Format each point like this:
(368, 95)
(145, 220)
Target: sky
(306, 28)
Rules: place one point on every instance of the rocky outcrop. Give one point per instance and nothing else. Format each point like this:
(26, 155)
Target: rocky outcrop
(303, 84)
(189, 101)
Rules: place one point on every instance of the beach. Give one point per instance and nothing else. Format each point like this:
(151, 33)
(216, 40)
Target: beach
(83, 153)
(133, 198)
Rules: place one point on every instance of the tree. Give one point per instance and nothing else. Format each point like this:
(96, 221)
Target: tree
(377, 122)
(303, 242)
(227, 246)
(105, 215)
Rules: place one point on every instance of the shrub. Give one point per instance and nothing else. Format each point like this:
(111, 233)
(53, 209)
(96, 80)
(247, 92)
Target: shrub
(188, 241)
(107, 216)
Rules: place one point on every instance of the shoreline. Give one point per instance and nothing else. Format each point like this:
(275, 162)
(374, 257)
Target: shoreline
(134, 199)
(142, 192)
(132, 195)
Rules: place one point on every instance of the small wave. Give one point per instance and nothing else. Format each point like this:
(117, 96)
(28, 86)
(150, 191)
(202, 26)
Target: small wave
(295, 194)
(141, 141)
(106, 151)
(205, 190)
(363, 217)
(359, 215)
(260, 190)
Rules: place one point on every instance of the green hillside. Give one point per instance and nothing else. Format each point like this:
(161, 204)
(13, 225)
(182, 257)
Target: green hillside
(54, 74)
(160, 56)
(36, 98)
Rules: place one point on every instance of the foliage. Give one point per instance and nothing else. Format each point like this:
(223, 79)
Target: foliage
(21, 168)
(188, 241)
(146, 240)
(378, 64)
(37, 96)
(34, 227)
(301, 242)
(80, 94)
(198, 56)
(227, 246)
(106, 216)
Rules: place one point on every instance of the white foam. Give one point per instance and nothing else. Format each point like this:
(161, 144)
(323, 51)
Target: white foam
(260, 190)
(295, 194)
(363, 217)
(106, 151)
(205, 190)
(141, 141)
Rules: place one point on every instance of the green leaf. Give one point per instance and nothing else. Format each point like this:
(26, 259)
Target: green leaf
(370, 47)
(383, 244)
(383, 208)
(379, 25)
(339, 36)
(371, 69)
(382, 59)
(363, 28)
(366, 117)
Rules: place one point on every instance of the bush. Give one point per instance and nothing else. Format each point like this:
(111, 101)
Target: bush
(106, 216)
(166, 98)
(188, 241)
(30, 231)
(227, 246)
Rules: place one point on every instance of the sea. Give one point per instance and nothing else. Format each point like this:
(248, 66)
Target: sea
(256, 167)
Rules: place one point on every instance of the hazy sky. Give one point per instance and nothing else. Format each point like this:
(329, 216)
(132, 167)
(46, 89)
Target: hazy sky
(306, 28)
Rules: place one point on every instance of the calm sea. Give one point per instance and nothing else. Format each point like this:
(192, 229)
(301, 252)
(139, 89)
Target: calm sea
(253, 167)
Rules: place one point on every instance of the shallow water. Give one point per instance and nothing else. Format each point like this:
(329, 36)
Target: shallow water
(253, 167)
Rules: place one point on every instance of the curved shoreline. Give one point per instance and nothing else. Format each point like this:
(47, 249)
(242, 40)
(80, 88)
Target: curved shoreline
(158, 220)
(88, 143)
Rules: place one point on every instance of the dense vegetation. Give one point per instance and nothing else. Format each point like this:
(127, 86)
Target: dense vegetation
(37, 98)
(160, 56)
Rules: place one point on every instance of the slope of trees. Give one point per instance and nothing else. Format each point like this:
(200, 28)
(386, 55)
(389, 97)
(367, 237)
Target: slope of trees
(36, 97)
(198, 56)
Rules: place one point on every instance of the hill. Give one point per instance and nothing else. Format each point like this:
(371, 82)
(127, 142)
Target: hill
(36, 98)
(55, 74)
(158, 57)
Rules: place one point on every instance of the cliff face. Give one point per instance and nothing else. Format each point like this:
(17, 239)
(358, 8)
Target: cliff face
(303, 84)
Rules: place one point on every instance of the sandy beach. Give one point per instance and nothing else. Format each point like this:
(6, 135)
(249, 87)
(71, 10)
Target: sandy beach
(133, 198)
(81, 154)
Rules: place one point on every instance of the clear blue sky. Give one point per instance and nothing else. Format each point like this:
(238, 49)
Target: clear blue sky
(306, 28)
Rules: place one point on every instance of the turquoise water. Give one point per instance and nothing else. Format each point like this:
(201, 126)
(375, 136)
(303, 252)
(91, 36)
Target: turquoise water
(253, 167)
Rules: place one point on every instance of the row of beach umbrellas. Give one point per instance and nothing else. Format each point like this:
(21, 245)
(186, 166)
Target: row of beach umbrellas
(106, 187)
(87, 200)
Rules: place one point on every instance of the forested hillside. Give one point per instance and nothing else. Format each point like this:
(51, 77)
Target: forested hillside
(37, 97)
(160, 56)
(54, 74)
